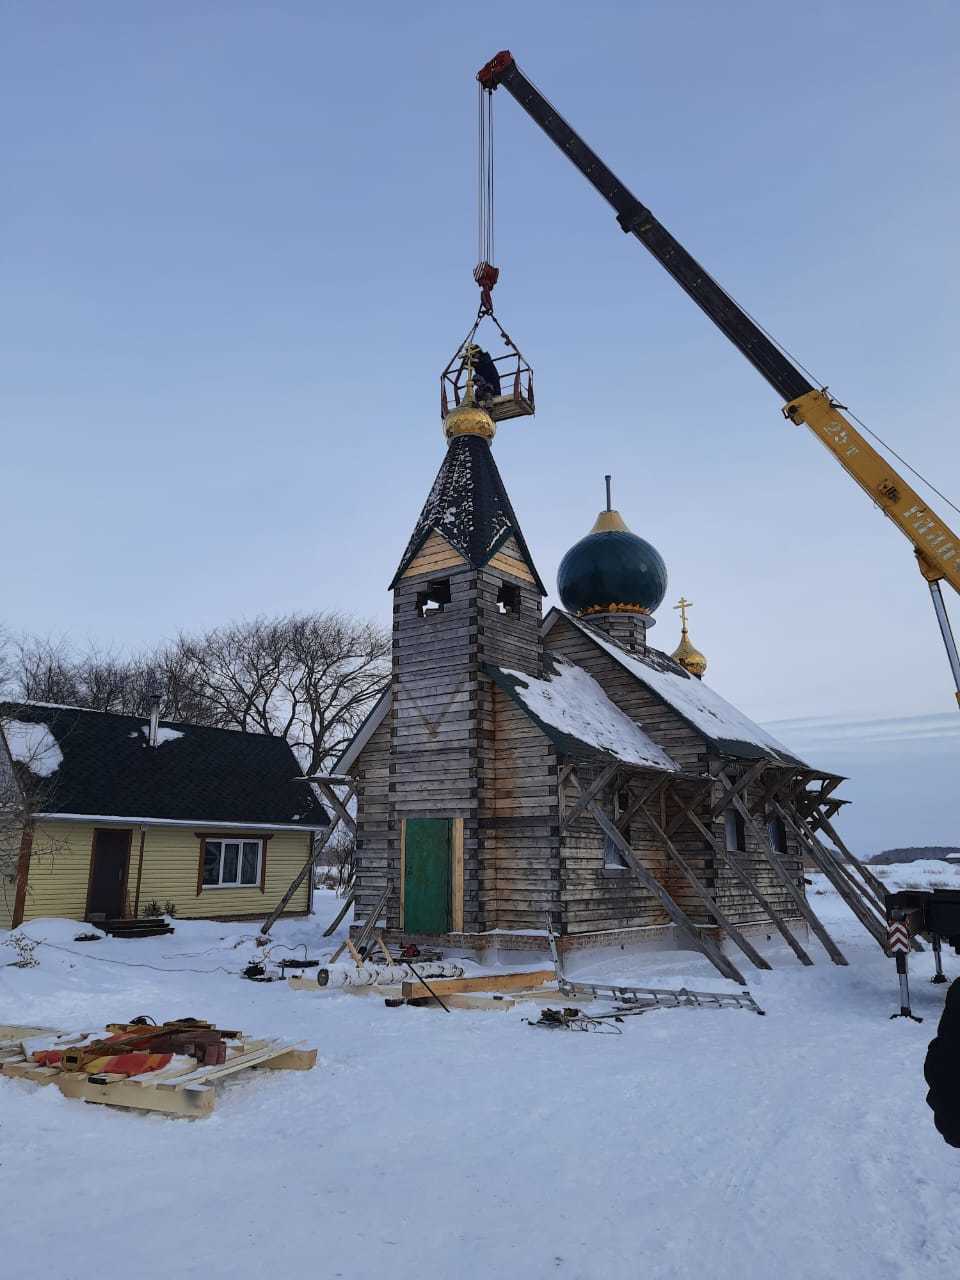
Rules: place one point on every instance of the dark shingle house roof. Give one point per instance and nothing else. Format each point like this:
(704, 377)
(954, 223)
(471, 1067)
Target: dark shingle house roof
(95, 763)
(468, 506)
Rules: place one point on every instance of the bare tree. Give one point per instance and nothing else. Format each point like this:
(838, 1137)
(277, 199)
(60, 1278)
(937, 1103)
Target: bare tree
(310, 678)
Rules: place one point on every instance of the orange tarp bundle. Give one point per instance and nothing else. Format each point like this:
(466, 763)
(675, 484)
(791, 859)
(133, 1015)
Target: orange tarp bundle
(125, 1064)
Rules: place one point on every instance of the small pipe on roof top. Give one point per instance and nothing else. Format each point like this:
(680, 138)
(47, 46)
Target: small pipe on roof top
(154, 719)
(607, 479)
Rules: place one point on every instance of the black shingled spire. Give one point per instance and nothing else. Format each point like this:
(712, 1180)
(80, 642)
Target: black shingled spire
(468, 505)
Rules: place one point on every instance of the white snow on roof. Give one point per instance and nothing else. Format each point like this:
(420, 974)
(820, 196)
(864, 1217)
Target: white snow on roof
(574, 703)
(34, 746)
(163, 735)
(700, 705)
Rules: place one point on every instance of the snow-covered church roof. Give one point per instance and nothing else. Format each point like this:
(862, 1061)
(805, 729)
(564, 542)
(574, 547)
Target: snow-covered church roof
(703, 708)
(574, 712)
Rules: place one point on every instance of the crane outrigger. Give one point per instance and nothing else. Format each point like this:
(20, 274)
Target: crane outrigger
(936, 546)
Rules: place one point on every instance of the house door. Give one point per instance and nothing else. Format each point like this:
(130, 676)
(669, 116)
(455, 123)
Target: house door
(110, 858)
(426, 875)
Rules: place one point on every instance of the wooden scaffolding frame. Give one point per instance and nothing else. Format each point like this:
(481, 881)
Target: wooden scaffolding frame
(757, 791)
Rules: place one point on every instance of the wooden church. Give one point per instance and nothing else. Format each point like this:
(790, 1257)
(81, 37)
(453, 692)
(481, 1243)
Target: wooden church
(524, 774)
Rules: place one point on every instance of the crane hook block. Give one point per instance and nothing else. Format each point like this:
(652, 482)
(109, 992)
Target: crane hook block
(491, 75)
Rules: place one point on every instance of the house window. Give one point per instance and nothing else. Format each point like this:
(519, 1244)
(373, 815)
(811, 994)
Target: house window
(734, 831)
(232, 863)
(777, 834)
(613, 859)
(508, 599)
(433, 599)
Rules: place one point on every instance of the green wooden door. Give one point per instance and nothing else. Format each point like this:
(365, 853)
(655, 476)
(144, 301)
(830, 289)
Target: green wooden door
(426, 875)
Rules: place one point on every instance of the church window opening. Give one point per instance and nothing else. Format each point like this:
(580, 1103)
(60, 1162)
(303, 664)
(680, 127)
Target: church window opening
(613, 859)
(434, 598)
(777, 834)
(508, 599)
(734, 831)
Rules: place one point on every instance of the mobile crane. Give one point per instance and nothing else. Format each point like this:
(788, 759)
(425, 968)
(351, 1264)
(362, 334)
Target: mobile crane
(936, 547)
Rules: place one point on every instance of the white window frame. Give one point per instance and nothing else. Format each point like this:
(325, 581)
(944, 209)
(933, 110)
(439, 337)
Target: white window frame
(239, 840)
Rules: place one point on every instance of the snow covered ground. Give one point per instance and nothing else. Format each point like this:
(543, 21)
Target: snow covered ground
(709, 1144)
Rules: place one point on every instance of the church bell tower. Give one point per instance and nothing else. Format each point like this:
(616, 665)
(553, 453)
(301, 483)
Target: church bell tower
(466, 593)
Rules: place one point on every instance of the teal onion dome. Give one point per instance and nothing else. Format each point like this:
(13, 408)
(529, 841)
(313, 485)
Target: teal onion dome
(611, 570)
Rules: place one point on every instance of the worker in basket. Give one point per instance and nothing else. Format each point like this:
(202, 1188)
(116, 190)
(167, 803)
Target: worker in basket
(486, 379)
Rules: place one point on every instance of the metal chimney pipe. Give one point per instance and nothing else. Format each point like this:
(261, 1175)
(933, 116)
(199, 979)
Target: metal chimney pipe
(154, 719)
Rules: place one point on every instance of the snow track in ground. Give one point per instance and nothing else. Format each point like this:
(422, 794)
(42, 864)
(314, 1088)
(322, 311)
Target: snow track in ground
(701, 1143)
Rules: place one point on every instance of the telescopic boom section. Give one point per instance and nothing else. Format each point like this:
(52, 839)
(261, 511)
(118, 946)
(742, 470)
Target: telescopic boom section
(937, 547)
(636, 218)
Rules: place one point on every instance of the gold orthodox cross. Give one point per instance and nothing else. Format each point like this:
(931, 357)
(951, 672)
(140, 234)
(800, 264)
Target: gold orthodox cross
(683, 605)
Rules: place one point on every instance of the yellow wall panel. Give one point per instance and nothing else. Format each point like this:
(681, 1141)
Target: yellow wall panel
(60, 870)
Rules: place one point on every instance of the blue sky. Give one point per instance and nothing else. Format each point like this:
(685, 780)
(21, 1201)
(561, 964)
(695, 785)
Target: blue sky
(236, 253)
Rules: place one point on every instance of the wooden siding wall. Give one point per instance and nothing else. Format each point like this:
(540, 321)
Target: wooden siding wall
(436, 755)
(593, 897)
(436, 556)
(170, 862)
(378, 833)
(738, 902)
(60, 872)
(519, 818)
(661, 722)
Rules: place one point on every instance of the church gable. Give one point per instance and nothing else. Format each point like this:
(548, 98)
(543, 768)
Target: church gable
(469, 507)
(434, 556)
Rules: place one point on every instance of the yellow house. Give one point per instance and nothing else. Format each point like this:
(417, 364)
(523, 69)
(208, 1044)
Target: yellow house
(108, 817)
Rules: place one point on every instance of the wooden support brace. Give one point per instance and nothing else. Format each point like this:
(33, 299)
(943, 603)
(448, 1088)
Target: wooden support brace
(586, 797)
(748, 881)
(700, 890)
(760, 835)
(838, 877)
(673, 910)
(734, 788)
(317, 848)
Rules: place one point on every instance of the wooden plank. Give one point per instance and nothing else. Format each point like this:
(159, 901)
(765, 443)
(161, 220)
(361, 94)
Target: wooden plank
(585, 799)
(193, 1102)
(700, 892)
(746, 879)
(464, 1001)
(316, 847)
(291, 1060)
(874, 925)
(456, 876)
(673, 910)
(485, 982)
(833, 951)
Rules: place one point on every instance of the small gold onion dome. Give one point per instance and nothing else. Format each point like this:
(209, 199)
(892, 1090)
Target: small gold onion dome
(468, 419)
(686, 654)
(689, 657)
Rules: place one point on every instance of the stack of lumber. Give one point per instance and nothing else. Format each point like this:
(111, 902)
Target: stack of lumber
(181, 1089)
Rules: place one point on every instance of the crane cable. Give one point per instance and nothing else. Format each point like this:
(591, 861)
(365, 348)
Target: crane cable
(485, 273)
